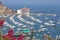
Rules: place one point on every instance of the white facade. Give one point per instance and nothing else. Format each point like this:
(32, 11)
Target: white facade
(24, 11)
(19, 11)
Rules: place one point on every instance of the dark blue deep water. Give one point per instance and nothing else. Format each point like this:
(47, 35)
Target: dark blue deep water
(39, 9)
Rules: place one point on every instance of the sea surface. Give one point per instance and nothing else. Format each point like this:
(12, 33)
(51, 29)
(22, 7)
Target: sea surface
(39, 9)
(18, 22)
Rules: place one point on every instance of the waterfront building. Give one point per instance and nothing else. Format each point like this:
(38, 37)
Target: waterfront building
(24, 11)
(19, 11)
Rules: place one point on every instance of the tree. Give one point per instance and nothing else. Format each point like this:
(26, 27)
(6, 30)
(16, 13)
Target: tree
(1, 22)
(9, 36)
(10, 32)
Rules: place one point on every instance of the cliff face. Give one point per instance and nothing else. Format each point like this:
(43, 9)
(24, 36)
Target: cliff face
(5, 10)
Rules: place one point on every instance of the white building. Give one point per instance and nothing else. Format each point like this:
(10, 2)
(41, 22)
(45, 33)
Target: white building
(24, 11)
(19, 11)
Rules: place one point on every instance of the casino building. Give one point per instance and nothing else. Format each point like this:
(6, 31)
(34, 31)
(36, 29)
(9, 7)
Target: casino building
(25, 11)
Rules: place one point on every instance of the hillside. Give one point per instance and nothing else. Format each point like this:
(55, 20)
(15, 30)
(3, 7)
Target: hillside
(5, 10)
